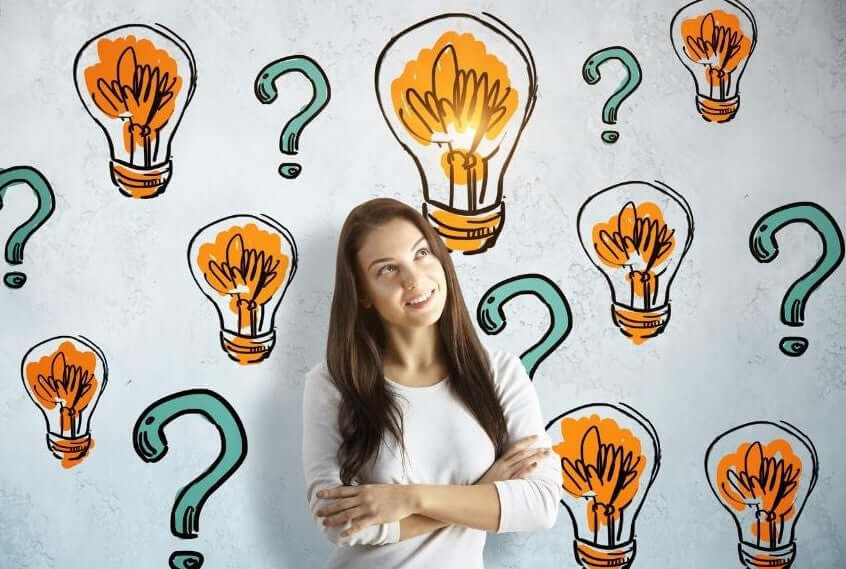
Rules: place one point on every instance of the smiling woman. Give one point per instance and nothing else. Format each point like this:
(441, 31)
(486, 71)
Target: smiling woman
(415, 438)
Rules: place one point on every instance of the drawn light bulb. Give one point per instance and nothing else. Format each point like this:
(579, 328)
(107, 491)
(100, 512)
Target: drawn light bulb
(762, 474)
(135, 81)
(610, 456)
(637, 233)
(714, 39)
(64, 376)
(244, 264)
(456, 91)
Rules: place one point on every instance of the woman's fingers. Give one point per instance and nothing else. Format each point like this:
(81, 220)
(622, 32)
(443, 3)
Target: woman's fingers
(359, 525)
(531, 453)
(337, 506)
(349, 514)
(519, 445)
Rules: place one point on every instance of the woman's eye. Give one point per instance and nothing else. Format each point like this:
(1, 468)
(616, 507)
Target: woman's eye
(387, 269)
(423, 252)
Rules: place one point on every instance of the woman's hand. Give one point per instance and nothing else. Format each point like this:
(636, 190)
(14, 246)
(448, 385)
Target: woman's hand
(367, 504)
(516, 462)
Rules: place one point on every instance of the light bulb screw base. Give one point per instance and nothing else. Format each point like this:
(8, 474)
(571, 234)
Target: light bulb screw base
(66, 449)
(465, 231)
(140, 183)
(713, 110)
(594, 556)
(640, 325)
(247, 349)
(754, 557)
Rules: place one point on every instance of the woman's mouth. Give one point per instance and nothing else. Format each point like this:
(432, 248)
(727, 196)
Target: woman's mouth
(421, 300)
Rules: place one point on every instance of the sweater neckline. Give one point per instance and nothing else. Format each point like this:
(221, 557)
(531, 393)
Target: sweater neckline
(435, 386)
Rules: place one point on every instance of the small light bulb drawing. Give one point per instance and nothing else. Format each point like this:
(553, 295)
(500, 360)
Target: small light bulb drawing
(610, 455)
(136, 81)
(714, 39)
(457, 91)
(636, 234)
(65, 376)
(244, 264)
(762, 473)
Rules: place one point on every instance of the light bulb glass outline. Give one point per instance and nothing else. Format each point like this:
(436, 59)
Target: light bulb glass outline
(721, 106)
(751, 551)
(647, 317)
(242, 345)
(474, 227)
(150, 177)
(73, 446)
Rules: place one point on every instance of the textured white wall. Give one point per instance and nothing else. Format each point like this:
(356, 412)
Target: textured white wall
(115, 270)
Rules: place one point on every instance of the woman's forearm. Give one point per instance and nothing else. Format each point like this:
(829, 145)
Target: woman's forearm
(418, 524)
(475, 506)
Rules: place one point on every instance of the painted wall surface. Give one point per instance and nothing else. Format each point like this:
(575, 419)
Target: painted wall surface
(114, 269)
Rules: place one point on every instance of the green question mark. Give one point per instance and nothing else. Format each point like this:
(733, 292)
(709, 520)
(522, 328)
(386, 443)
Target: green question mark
(590, 73)
(150, 443)
(46, 204)
(491, 318)
(764, 247)
(266, 92)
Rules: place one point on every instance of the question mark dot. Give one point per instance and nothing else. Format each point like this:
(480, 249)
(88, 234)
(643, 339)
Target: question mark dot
(289, 170)
(14, 279)
(793, 346)
(186, 560)
(610, 136)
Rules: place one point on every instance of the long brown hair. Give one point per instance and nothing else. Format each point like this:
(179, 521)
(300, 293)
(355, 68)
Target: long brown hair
(356, 343)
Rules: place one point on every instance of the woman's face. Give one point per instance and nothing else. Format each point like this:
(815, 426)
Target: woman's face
(400, 276)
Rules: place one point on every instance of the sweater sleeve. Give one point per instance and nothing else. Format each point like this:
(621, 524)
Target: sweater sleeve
(321, 440)
(528, 503)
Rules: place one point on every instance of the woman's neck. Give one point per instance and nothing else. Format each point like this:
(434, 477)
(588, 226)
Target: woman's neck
(416, 351)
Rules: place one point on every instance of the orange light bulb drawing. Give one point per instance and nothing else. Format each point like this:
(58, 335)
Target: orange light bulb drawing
(610, 456)
(64, 376)
(762, 474)
(714, 39)
(456, 91)
(636, 234)
(136, 81)
(244, 264)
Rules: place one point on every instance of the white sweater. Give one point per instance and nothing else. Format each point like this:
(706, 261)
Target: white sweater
(444, 445)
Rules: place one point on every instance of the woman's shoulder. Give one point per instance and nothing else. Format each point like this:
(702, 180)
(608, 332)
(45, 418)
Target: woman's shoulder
(318, 377)
(505, 365)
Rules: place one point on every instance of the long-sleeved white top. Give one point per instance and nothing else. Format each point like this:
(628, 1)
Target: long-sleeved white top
(444, 445)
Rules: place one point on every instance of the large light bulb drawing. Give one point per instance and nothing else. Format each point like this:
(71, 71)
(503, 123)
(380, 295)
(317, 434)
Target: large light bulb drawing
(244, 264)
(136, 81)
(636, 233)
(456, 91)
(714, 39)
(762, 474)
(610, 456)
(64, 376)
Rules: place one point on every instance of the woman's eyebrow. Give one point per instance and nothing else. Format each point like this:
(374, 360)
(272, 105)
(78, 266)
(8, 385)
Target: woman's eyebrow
(382, 260)
(416, 243)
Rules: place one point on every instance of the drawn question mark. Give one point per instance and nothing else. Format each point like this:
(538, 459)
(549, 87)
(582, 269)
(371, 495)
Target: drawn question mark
(764, 247)
(266, 92)
(44, 209)
(150, 443)
(590, 72)
(491, 317)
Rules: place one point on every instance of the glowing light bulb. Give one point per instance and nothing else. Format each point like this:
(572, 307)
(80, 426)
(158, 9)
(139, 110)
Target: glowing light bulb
(637, 233)
(136, 81)
(244, 264)
(762, 474)
(714, 39)
(610, 456)
(64, 376)
(456, 91)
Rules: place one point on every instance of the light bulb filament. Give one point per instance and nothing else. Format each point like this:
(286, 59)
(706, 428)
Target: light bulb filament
(68, 385)
(716, 41)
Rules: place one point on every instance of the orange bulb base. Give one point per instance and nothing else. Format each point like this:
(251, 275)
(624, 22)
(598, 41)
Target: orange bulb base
(140, 183)
(713, 110)
(593, 556)
(754, 557)
(640, 325)
(464, 231)
(247, 349)
(69, 450)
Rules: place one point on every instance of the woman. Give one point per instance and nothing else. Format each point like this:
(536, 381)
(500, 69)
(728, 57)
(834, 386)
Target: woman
(416, 440)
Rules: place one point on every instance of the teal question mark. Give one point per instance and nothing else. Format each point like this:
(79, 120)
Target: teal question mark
(491, 317)
(590, 72)
(764, 247)
(44, 209)
(266, 92)
(150, 443)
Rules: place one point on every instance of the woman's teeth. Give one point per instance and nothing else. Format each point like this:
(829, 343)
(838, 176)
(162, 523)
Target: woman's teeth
(422, 298)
